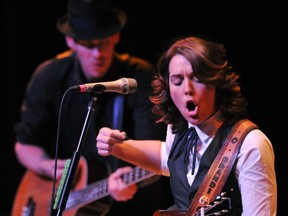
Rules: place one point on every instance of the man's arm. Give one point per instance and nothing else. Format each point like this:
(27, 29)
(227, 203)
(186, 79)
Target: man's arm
(35, 158)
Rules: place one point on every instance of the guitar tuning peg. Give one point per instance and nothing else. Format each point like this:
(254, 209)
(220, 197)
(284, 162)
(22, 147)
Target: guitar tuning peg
(223, 194)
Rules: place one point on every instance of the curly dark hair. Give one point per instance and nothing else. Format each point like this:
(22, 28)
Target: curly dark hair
(209, 65)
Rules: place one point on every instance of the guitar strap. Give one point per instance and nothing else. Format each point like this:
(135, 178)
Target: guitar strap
(218, 173)
(118, 111)
(117, 123)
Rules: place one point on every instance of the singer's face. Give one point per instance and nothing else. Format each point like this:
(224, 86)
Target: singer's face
(95, 56)
(194, 99)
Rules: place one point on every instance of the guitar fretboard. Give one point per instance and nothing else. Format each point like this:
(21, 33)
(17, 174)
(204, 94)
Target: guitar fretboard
(99, 189)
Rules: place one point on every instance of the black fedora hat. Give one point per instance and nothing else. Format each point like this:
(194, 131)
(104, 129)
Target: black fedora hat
(91, 19)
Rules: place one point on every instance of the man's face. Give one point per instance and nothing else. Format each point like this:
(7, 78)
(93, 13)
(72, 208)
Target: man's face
(96, 55)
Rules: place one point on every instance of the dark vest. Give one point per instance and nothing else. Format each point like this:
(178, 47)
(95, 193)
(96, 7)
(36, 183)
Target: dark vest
(183, 193)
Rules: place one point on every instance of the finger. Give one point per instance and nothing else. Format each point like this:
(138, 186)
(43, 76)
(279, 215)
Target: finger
(110, 135)
(103, 152)
(104, 146)
(122, 170)
(127, 193)
(60, 163)
(131, 190)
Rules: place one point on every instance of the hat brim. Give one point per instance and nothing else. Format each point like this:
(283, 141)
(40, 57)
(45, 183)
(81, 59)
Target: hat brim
(64, 27)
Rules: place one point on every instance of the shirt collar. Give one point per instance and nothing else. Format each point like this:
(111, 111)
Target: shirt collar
(208, 129)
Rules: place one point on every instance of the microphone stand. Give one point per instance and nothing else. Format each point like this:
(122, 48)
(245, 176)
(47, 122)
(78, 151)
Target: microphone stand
(71, 165)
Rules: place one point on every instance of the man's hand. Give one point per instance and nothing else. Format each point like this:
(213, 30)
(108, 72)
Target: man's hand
(117, 188)
(47, 167)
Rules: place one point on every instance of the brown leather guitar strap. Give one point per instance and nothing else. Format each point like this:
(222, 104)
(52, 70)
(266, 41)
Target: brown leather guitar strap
(218, 173)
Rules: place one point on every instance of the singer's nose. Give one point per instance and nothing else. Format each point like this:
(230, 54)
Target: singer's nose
(95, 51)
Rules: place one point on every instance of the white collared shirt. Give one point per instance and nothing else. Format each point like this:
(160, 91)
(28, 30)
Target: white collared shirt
(254, 167)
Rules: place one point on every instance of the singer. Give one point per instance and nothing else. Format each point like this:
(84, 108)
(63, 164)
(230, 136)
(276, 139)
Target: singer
(91, 58)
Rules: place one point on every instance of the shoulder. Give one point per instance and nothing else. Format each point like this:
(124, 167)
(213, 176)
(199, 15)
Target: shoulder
(50, 73)
(60, 58)
(256, 148)
(55, 65)
(257, 139)
(137, 68)
(64, 54)
(133, 60)
(133, 63)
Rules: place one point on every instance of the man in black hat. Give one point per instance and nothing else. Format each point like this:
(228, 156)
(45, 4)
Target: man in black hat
(92, 30)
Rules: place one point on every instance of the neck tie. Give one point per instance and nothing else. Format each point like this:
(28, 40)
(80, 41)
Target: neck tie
(191, 146)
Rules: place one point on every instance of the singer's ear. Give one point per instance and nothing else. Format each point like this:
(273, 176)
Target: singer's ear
(116, 38)
(70, 42)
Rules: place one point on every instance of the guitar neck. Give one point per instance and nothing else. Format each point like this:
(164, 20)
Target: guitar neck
(99, 189)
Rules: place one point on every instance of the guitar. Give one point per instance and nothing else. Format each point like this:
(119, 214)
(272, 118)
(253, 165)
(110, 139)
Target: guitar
(220, 206)
(37, 190)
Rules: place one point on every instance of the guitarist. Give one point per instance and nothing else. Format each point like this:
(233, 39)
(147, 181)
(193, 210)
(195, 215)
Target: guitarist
(197, 94)
(92, 31)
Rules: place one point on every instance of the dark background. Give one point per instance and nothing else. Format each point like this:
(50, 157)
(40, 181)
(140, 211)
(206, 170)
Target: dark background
(253, 35)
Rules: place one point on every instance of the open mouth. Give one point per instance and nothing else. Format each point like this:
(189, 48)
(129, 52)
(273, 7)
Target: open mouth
(190, 106)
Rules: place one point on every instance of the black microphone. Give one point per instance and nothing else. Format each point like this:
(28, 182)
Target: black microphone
(123, 86)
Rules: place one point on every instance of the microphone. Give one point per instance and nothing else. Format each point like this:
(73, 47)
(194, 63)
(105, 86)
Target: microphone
(123, 86)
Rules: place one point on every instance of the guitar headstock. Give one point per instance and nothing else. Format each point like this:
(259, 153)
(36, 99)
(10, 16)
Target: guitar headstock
(220, 206)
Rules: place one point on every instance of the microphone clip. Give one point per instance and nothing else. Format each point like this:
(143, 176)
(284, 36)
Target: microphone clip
(98, 89)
